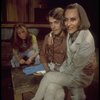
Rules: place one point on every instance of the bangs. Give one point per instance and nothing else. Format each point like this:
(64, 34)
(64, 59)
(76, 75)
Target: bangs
(21, 30)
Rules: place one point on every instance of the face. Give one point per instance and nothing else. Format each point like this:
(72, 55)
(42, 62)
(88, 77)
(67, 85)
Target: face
(72, 20)
(55, 25)
(22, 33)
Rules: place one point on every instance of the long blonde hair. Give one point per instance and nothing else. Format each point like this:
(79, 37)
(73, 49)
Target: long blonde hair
(17, 41)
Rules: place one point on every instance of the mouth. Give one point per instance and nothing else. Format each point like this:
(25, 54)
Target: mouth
(69, 28)
(53, 30)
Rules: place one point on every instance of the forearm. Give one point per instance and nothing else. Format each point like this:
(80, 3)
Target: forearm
(32, 57)
(35, 51)
(44, 61)
(46, 66)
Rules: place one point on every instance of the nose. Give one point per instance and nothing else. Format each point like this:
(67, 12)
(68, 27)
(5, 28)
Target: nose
(68, 23)
(53, 26)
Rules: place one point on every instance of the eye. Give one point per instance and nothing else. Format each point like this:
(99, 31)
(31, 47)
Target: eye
(57, 22)
(23, 31)
(65, 19)
(73, 19)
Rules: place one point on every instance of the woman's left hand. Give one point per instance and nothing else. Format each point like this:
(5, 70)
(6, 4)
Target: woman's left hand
(29, 61)
(90, 68)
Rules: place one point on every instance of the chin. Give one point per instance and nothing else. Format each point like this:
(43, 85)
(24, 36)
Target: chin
(70, 32)
(56, 33)
(23, 38)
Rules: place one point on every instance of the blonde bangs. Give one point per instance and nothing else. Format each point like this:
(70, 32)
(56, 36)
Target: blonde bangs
(22, 29)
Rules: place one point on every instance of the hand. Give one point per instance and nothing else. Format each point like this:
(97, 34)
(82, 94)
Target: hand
(22, 61)
(50, 40)
(89, 69)
(29, 61)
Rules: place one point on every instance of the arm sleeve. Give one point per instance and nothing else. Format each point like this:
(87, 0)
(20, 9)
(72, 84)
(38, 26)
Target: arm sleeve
(81, 58)
(43, 55)
(34, 47)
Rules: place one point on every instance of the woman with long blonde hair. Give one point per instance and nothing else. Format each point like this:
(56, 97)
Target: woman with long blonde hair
(25, 48)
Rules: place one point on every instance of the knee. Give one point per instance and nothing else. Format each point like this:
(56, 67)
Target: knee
(49, 75)
(37, 57)
(54, 87)
(14, 62)
(51, 87)
(37, 60)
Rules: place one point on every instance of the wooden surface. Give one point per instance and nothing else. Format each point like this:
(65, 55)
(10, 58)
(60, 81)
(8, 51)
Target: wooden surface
(23, 83)
(28, 25)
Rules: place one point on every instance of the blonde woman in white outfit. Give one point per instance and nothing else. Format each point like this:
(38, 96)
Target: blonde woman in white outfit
(80, 51)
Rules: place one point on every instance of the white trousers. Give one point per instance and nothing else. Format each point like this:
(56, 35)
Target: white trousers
(52, 84)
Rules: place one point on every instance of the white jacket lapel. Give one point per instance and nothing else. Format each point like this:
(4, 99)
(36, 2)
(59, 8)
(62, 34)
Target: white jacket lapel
(76, 44)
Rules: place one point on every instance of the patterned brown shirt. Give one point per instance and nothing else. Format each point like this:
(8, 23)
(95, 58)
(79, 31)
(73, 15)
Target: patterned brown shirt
(54, 53)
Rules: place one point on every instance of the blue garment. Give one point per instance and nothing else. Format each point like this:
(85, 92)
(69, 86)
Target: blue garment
(33, 69)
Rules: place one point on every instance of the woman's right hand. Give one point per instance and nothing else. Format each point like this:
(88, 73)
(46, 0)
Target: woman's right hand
(50, 39)
(22, 61)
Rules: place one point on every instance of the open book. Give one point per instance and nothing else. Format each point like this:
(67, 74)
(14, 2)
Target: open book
(34, 69)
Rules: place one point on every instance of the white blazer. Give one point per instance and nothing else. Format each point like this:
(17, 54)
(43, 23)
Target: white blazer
(79, 55)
